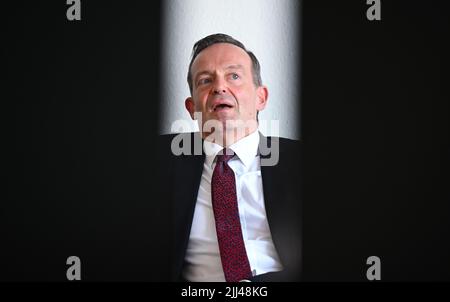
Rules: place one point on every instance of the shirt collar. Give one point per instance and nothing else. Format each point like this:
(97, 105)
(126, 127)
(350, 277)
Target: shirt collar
(246, 149)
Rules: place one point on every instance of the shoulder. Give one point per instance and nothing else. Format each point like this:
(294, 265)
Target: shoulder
(285, 144)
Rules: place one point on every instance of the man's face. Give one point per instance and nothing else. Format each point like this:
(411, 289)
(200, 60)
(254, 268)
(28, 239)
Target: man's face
(223, 88)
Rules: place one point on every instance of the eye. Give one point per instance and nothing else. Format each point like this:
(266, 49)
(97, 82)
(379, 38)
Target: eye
(234, 76)
(203, 81)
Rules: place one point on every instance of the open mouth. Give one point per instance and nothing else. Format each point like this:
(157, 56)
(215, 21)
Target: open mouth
(222, 106)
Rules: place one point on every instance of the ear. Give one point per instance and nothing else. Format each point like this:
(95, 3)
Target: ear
(190, 106)
(262, 94)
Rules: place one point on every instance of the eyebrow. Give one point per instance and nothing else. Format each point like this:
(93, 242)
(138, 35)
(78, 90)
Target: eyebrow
(237, 66)
(198, 74)
(207, 72)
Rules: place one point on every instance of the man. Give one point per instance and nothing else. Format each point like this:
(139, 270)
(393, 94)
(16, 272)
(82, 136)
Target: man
(236, 200)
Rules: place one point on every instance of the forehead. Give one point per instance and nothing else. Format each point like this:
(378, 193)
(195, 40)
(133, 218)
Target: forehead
(221, 55)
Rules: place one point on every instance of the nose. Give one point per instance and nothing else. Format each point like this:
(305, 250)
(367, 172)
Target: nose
(219, 91)
(219, 86)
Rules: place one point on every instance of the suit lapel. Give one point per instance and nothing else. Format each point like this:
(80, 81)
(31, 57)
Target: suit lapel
(188, 171)
(282, 202)
(269, 176)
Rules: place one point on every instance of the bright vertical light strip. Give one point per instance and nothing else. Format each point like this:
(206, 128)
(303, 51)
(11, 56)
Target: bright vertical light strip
(269, 28)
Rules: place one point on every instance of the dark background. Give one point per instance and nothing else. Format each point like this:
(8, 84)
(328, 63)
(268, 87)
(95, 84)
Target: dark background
(80, 110)
(80, 113)
(375, 109)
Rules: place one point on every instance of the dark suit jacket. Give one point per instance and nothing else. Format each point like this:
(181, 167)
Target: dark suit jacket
(281, 186)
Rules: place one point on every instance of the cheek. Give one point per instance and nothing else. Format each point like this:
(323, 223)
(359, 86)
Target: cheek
(200, 102)
(248, 102)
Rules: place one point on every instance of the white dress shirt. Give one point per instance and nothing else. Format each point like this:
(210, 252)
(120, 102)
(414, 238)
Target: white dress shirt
(202, 258)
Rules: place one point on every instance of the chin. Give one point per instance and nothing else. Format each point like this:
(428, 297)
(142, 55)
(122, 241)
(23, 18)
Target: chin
(224, 116)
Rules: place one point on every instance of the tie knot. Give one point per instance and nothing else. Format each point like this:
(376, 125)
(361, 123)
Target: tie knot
(225, 155)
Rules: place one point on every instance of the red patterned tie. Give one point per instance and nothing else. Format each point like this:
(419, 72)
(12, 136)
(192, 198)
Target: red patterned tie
(228, 226)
